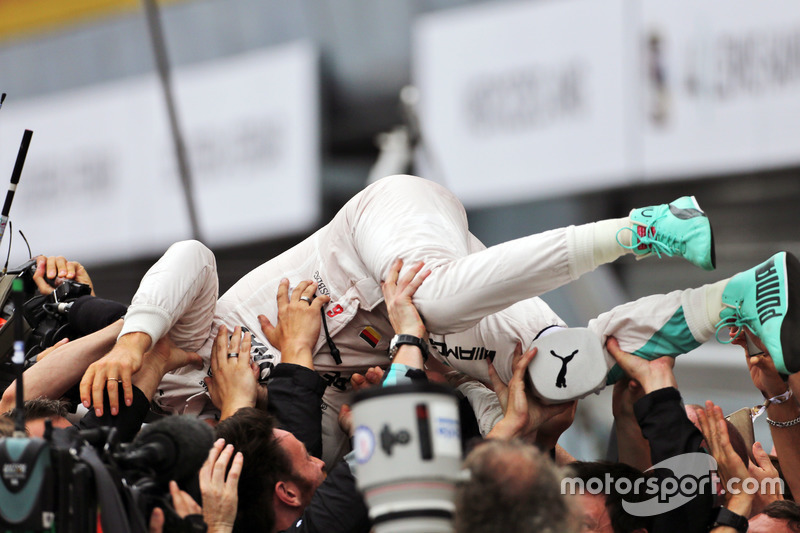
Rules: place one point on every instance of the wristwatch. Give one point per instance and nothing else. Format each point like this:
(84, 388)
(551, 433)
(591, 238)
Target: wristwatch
(399, 340)
(726, 517)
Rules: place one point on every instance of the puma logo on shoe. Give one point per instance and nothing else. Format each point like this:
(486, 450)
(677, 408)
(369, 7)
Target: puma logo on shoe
(561, 379)
(768, 292)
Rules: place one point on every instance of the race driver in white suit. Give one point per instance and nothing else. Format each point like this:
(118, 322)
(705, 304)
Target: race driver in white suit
(478, 302)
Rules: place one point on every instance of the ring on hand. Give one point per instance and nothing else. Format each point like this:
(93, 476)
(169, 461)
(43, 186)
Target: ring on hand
(114, 379)
(306, 299)
(233, 354)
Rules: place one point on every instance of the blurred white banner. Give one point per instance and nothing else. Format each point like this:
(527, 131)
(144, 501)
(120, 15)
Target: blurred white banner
(525, 100)
(252, 129)
(721, 86)
(100, 182)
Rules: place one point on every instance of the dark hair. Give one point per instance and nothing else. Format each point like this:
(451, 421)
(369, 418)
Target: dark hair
(513, 487)
(784, 510)
(621, 521)
(42, 408)
(250, 431)
(6, 426)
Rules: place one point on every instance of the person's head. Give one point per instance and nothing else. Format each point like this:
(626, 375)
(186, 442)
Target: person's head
(512, 488)
(308, 472)
(40, 409)
(778, 517)
(277, 471)
(603, 513)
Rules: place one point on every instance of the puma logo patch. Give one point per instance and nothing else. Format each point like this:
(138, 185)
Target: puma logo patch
(561, 379)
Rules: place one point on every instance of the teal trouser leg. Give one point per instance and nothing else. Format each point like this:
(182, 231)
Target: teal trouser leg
(674, 338)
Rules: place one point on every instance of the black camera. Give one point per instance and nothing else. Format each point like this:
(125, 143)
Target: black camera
(45, 317)
(73, 481)
(44, 486)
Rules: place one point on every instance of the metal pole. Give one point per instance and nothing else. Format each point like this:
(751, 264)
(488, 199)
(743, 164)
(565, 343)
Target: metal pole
(162, 64)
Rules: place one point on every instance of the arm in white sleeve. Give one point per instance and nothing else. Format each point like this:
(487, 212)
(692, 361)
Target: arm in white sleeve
(484, 403)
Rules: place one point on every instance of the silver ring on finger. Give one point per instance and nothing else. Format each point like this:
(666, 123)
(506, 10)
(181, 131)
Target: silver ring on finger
(306, 299)
(233, 354)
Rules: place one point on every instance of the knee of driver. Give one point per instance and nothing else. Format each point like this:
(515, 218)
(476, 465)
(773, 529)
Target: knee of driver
(194, 249)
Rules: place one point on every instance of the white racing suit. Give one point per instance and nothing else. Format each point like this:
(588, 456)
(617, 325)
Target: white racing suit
(477, 303)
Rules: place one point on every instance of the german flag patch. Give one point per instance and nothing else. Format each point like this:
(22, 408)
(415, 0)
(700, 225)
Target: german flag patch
(370, 335)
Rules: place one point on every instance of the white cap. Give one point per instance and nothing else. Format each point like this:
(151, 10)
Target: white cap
(570, 364)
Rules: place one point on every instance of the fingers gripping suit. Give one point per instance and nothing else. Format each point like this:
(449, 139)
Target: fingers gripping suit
(477, 302)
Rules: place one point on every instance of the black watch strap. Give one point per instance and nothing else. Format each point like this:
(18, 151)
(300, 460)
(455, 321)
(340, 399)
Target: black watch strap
(399, 340)
(726, 517)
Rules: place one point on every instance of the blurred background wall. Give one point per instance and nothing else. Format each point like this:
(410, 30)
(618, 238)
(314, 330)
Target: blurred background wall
(537, 114)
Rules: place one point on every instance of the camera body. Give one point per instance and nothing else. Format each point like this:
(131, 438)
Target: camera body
(44, 486)
(74, 481)
(408, 463)
(45, 317)
(71, 482)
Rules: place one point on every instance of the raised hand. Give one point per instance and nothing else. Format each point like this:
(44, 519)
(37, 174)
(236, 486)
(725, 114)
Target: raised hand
(651, 375)
(523, 414)
(763, 471)
(233, 383)
(732, 470)
(397, 294)
(220, 491)
(117, 366)
(299, 321)
(56, 269)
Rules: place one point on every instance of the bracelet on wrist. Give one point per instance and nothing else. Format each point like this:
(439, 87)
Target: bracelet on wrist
(787, 424)
(780, 398)
(758, 410)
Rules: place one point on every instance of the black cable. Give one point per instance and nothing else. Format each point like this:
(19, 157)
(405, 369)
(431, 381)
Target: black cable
(30, 254)
(331, 345)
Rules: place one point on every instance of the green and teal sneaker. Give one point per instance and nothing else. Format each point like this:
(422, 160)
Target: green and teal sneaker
(766, 300)
(679, 228)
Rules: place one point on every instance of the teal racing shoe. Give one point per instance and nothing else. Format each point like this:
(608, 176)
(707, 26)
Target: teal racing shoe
(679, 228)
(766, 301)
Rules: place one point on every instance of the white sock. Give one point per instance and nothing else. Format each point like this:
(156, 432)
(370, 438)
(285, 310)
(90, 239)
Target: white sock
(594, 244)
(701, 308)
(606, 232)
(714, 299)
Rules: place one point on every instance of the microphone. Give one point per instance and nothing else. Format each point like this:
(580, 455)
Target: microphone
(88, 314)
(15, 175)
(173, 448)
